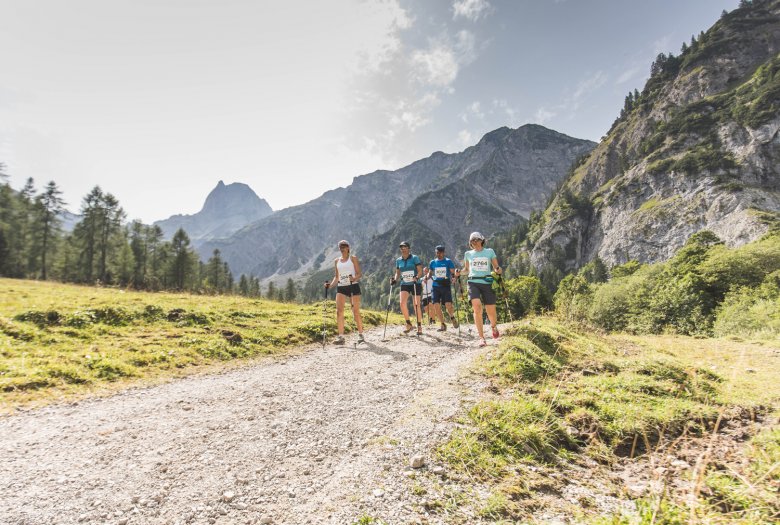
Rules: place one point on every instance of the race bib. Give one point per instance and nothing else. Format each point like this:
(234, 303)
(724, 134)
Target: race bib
(440, 272)
(407, 277)
(344, 280)
(480, 264)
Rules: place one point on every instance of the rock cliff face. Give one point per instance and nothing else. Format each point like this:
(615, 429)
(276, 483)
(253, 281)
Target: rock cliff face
(698, 149)
(490, 185)
(227, 209)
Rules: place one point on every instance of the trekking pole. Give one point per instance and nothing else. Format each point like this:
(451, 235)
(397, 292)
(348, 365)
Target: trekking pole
(387, 310)
(324, 305)
(465, 299)
(414, 305)
(505, 294)
(457, 311)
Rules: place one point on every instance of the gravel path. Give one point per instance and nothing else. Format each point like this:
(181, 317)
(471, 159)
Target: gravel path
(322, 437)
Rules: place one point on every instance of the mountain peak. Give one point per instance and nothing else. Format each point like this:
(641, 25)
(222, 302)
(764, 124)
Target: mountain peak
(225, 198)
(228, 208)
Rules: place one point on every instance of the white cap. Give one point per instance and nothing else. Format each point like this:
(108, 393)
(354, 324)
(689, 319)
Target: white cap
(476, 235)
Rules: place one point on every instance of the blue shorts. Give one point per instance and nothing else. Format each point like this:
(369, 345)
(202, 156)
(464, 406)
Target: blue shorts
(483, 291)
(442, 294)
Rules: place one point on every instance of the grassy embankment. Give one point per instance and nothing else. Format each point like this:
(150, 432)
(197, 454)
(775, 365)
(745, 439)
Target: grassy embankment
(568, 399)
(58, 341)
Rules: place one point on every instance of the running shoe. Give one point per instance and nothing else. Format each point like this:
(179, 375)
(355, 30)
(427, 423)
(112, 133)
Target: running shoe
(408, 327)
(455, 322)
(482, 343)
(442, 328)
(361, 339)
(419, 329)
(339, 340)
(495, 333)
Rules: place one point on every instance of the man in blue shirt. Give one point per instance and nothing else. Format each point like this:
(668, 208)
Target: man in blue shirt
(409, 268)
(442, 271)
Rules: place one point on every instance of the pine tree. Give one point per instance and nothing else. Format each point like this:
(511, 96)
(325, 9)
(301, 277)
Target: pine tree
(140, 255)
(111, 226)
(86, 233)
(228, 277)
(214, 272)
(254, 286)
(49, 205)
(181, 260)
(6, 218)
(243, 285)
(156, 257)
(290, 292)
(271, 290)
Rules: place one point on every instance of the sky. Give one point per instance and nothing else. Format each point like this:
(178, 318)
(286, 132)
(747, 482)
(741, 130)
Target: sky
(158, 100)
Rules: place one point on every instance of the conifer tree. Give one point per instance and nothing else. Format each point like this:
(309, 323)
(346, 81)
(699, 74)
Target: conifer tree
(214, 272)
(181, 260)
(49, 205)
(243, 285)
(290, 292)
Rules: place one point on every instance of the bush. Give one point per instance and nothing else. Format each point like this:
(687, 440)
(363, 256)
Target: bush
(527, 295)
(749, 314)
(626, 269)
(572, 297)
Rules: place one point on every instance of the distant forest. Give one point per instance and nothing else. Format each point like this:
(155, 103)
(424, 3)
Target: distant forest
(103, 249)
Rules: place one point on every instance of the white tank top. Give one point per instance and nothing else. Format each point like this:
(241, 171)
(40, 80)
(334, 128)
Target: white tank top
(346, 268)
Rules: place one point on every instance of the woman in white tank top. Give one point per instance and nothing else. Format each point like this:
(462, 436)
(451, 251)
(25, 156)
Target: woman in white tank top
(347, 284)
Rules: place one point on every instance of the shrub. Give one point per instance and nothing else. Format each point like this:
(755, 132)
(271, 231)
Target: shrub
(626, 269)
(527, 295)
(746, 313)
(572, 297)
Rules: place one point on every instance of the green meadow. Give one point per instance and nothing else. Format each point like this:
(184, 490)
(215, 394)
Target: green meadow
(59, 341)
(564, 393)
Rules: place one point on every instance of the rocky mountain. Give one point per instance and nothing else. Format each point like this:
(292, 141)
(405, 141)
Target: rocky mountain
(697, 149)
(490, 185)
(227, 209)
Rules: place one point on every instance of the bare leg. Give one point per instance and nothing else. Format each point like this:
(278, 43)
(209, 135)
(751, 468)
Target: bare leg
(340, 299)
(476, 306)
(356, 313)
(404, 305)
(491, 312)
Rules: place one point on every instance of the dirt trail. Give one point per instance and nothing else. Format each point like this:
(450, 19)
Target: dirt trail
(321, 437)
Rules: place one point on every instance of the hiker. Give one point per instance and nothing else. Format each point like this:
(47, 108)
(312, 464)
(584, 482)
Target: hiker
(409, 268)
(443, 272)
(427, 296)
(347, 277)
(477, 264)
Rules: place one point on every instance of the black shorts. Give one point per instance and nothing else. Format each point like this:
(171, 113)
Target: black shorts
(412, 288)
(425, 301)
(484, 290)
(442, 294)
(349, 290)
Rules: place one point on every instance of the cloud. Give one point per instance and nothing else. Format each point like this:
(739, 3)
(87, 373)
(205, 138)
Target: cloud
(627, 75)
(436, 65)
(471, 9)
(544, 115)
(473, 112)
(465, 138)
(509, 111)
(587, 86)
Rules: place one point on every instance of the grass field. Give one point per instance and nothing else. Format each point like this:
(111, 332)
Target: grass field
(59, 341)
(565, 395)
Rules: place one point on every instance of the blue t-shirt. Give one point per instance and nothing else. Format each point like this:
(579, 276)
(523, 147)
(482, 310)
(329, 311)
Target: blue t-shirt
(408, 268)
(440, 270)
(480, 265)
